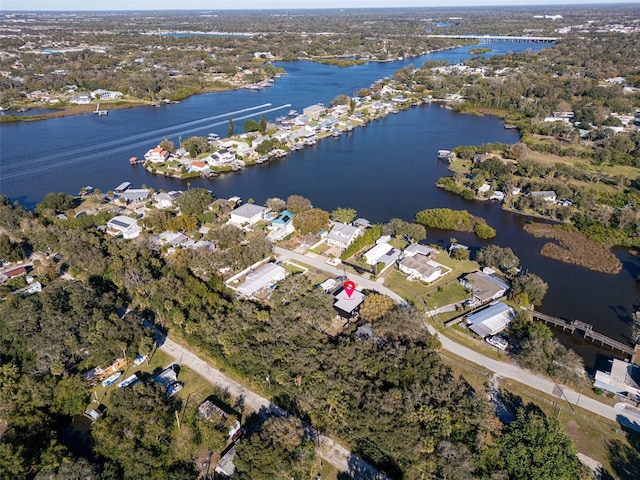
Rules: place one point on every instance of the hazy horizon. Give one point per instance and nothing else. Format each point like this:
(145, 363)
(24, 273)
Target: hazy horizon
(158, 5)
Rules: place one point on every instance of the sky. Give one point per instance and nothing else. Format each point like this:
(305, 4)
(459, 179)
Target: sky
(109, 5)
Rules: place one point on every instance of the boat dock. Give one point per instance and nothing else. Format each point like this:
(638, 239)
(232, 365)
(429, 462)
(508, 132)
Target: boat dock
(587, 332)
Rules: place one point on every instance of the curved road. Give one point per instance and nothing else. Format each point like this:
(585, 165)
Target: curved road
(628, 417)
(327, 448)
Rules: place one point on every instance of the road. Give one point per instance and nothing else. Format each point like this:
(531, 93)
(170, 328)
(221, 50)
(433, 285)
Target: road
(327, 448)
(627, 417)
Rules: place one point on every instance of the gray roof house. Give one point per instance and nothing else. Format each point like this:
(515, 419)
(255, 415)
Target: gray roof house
(484, 287)
(342, 235)
(265, 276)
(248, 214)
(623, 380)
(492, 320)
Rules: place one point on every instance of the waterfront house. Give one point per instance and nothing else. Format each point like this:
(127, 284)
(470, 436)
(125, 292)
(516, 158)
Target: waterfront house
(281, 226)
(361, 223)
(247, 215)
(382, 253)
(314, 111)
(546, 195)
(220, 158)
(197, 166)
(106, 94)
(483, 287)
(166, 199)
(125, 226)
(264, 277)
(157, 155)
(484, 188)
(623, 379)
(135, 194)
(420, 267)
(342, 235)
(81, 99)
(491, 320)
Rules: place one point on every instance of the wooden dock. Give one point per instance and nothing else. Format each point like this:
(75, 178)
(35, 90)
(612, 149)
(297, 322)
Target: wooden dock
(587, 332)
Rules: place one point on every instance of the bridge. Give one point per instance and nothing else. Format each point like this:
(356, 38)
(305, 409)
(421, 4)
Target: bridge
(586, 329)
(498, 38)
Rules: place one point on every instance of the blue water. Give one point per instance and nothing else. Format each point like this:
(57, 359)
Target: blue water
(385, 170)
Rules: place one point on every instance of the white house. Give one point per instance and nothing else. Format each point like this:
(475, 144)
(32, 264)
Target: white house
(382, 253)
(106, 94)
(157, 155)
(484, 188)
(314, 111)
(546, 195)
(166, 199)
(492, 320)
(220, 158)
(264, 277)
(281, 226)
(416, 248)
(623, 380)
(81, 99)
(342, 235)
(198, 166)
(247, 215)
(420, 267)
(126, 226)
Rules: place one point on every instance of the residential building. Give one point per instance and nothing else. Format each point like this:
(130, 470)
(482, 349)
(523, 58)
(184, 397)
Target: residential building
(220, 158)
(347, 306)
(281, 226)
(81, 99)
(361, 223)
(126, 226)
(491, 320)
(264, 277)
(122, 187)
(198, 166)
(416, 248)
(623, 379)
(157, 155)
(483, 287)
(342, 235)
(382, 253)
(166, 199)
(135, 194)
(106, 94)
(314, 111)
(421, 268)
(247, 215)
(546, 195)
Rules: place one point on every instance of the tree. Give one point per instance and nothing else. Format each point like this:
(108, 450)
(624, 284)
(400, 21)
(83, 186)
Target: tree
(460, 253)
(340, 99)
(497, 257)
(55, 202)
(230, 131)
(251, 125)
(10, 251)
(263, 125)
(275, 204)
(311, 221)
(532, 285)
(484, 231)
(533, 446)
(168, 145)
(297, 203)
(195, 146)
(375, 306)
(194, 201)
(343, 215)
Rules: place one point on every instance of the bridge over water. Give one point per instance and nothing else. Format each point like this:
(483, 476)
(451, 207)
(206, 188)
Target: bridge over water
(499, 38)
(586, 329)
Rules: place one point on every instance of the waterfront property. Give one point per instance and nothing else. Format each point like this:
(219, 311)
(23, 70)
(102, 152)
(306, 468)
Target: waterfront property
(247, 215)
(491, 320)
(420, 267)
(382, 253)
(484, 287)
(623, 379)
(281, 226)
(342, 235)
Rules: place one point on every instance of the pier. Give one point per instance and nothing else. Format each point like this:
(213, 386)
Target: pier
(587, 332)
(499, 38)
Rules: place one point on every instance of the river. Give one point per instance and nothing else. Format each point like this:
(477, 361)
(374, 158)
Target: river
(387, 169)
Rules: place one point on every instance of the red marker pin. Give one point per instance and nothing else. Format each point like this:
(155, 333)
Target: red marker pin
(349, 287)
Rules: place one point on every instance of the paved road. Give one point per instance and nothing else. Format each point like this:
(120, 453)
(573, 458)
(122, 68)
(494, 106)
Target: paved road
(627, 417)
(328, 449)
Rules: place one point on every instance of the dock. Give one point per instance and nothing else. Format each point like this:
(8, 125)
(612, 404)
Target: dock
(586, 330)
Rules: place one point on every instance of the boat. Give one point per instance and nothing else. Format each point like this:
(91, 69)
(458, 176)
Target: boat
(111, 380)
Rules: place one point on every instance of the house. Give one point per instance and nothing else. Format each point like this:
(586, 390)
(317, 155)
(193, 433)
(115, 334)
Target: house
(491, 320)
(281, 226)
(14, 272)
(382, 253)
(157, 155)
(135, 194)
(483, 287)
(221, 158)
(347, 306)
(361, 223)
(420, 267)
(497, 195)
(484, 188)
(122, 187)
(106, 94)
(81, 99)
(248, 214)
(125, 226)
(166, 199)
(623, 379)
(198, 166)
(416, 248)
(546, 195)
(225, 467)
(264, 277)
(342, 235)
(174, 239)
(314, 111)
